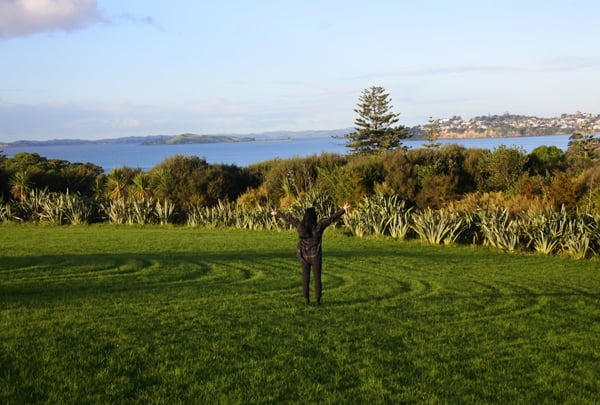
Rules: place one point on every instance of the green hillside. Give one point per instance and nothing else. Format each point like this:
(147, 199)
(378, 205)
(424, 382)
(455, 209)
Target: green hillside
(195, 139)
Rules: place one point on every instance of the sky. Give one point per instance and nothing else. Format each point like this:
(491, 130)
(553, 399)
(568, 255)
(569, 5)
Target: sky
(96, 69)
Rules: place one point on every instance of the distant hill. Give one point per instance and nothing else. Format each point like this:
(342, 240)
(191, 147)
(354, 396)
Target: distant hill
(185, 139)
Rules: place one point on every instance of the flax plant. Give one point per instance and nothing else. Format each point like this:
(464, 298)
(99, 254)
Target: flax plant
(577, 243)
(546, 229)
(30, 205)
(379, 215)
(397, 214)
(255, 218)
(118, 211)
(165, 211)
(376, 213)
(355, 224)
(499, 229)
(193, 215)
(322, 203)
(6, 212)
(437, 227)
(141, 212)
(53, 208)
(79, 210)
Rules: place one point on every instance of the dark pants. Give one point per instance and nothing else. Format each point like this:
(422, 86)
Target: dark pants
(316, 269)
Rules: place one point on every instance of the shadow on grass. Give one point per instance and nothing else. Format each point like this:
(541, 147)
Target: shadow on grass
(37, 279)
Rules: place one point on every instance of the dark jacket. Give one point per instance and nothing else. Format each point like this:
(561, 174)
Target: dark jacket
(310, 249)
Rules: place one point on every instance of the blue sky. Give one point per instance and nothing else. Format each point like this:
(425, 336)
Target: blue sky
(95, 69)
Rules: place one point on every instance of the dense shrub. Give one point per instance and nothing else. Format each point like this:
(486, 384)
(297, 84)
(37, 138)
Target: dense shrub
(500, 169)
(544, 160)
(285, 180)
(51, 174)
(190, 179)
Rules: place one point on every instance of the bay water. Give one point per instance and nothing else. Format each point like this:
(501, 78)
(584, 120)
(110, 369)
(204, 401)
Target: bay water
(145, 157)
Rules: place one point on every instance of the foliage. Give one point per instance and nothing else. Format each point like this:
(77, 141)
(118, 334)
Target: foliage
(549, 200)
(577, 243)
(229, 215)
(379, 215)
(432, 134)
(400, 174)
(375, 129)
(546, 159)
(359, 178)
(189, 179)
(547, 229)
(500, 229)
(584, 144)
(52, 174)
(565, 190)
(284, 181)
(20, 184)
(500, 169)
(437, 227)
(515, 203)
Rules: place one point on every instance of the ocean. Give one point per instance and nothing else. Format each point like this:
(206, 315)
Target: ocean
(145, 157)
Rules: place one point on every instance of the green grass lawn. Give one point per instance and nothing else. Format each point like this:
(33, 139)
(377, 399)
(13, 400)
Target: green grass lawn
(117, 314)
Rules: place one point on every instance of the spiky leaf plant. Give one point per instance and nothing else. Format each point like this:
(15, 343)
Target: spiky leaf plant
(546, 229)
(577, 241)
(499, 229)
(165, 211)
(437, 227)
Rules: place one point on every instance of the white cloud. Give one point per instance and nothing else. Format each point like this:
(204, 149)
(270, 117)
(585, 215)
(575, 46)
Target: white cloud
(25, 17)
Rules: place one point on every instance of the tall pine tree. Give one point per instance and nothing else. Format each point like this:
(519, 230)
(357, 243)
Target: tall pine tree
(375, 129)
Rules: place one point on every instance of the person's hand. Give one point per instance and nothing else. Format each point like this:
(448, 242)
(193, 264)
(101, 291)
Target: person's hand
(346, 206)
(273, 212)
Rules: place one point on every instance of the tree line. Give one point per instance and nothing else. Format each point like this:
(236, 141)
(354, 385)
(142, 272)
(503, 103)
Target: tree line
(423, 178)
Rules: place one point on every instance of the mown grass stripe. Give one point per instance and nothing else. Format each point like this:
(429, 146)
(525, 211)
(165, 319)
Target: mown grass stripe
(174, 314)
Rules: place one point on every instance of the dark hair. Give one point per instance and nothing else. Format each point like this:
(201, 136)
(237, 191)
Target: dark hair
(308, 223)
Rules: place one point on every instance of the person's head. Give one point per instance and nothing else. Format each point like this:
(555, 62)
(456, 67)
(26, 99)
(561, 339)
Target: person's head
(308, 223)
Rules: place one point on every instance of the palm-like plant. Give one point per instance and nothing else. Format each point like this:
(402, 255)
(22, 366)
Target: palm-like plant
(20, 185)
(117, 182)
(141, 187)
(160, 183)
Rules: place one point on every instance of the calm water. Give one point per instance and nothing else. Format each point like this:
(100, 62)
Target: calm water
(245, 153)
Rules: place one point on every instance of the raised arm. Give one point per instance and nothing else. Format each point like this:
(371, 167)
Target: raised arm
(327, 221)
(286, 217)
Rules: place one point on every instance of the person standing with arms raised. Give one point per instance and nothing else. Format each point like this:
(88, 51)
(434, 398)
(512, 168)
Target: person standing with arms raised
(309, 251)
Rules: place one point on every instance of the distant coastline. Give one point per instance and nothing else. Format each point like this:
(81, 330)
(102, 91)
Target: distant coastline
(186, 139)
(490, 126)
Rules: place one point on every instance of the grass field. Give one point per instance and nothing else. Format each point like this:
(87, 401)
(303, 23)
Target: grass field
(117, 314)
